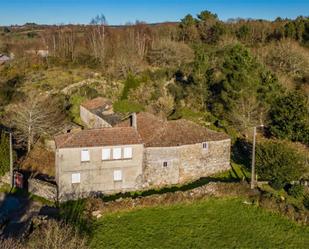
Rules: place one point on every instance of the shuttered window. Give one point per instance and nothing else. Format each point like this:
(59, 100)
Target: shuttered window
(127, 152)
(117, 175)
(85, 157)
(106, 154)
(117, 153)
(76, 178)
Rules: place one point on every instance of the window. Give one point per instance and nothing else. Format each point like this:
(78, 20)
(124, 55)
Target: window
(117, 153)
(76, 178)
(127, 152)
(106, 154)
(165, 164)
(205, 146)
(85, 157)
(117, 175)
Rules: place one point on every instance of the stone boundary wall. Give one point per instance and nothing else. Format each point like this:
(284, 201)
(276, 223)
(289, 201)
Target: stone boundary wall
(212, 189)
(43, 189)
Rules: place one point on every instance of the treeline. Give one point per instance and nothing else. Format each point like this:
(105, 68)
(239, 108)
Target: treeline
(131, 48)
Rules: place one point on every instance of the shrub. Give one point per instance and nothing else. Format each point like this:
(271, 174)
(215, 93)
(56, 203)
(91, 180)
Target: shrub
(279, 162)
(4, 154)
(11, 244)
(277, 183)
(74, 103)
(306, 201)
(74, 213)
(57, 236)
(125, 106)
(296, 191)
(130, 83)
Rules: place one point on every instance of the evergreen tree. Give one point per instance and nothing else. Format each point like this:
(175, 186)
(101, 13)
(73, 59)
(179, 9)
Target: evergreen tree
(289, 117)
(242, 90)
(188, 30)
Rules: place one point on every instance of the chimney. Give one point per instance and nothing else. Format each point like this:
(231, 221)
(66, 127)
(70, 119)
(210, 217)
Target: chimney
(134, 120)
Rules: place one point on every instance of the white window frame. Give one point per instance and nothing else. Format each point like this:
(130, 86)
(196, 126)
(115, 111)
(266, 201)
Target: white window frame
(75, 178)
(127, 152)
(106, 154)
(117, 153)
(85, 157)
(117, 175)
(206, 145)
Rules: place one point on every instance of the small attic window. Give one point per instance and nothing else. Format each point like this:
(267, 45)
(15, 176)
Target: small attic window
(165, 164)
(205, 145)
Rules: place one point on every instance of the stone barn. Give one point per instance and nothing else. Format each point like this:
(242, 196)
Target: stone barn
(98, 113)
(179, 151)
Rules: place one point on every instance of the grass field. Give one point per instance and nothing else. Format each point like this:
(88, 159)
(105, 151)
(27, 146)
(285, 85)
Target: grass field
(212, 223)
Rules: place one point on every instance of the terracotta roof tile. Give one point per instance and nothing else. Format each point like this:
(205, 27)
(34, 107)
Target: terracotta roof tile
(98, 102)
(156, 132)
(99, 137)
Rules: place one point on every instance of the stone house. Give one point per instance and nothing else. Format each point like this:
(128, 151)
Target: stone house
(140, 152)
(98, 113)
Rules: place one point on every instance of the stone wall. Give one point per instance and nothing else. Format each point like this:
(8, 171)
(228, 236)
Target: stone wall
(43, 189)
(91, 120)
(99, 208)
(184, 163)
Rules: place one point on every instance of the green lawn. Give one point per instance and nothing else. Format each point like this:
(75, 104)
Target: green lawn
(212, 223)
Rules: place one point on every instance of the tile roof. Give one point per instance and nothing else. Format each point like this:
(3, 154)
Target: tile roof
(156, 132)
(98, 102)
(99, 137)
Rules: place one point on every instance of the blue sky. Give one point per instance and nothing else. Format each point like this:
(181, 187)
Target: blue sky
(123, 11)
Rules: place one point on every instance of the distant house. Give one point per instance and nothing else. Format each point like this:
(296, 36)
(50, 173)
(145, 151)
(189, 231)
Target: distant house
(4, 58)
(141, 152)
(98, 113)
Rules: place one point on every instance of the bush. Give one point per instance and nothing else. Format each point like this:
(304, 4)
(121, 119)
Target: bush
(279, 162)
(57, 236)
(125, 106)
(306, 201)
(130, 83)
(11, 244)
(74, 103)
(296, 191)
(277, 183)
(4, 154)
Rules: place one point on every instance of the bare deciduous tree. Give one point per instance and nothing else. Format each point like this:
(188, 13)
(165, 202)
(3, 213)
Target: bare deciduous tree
(34, 117)
(61, 41)
(97, 33)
